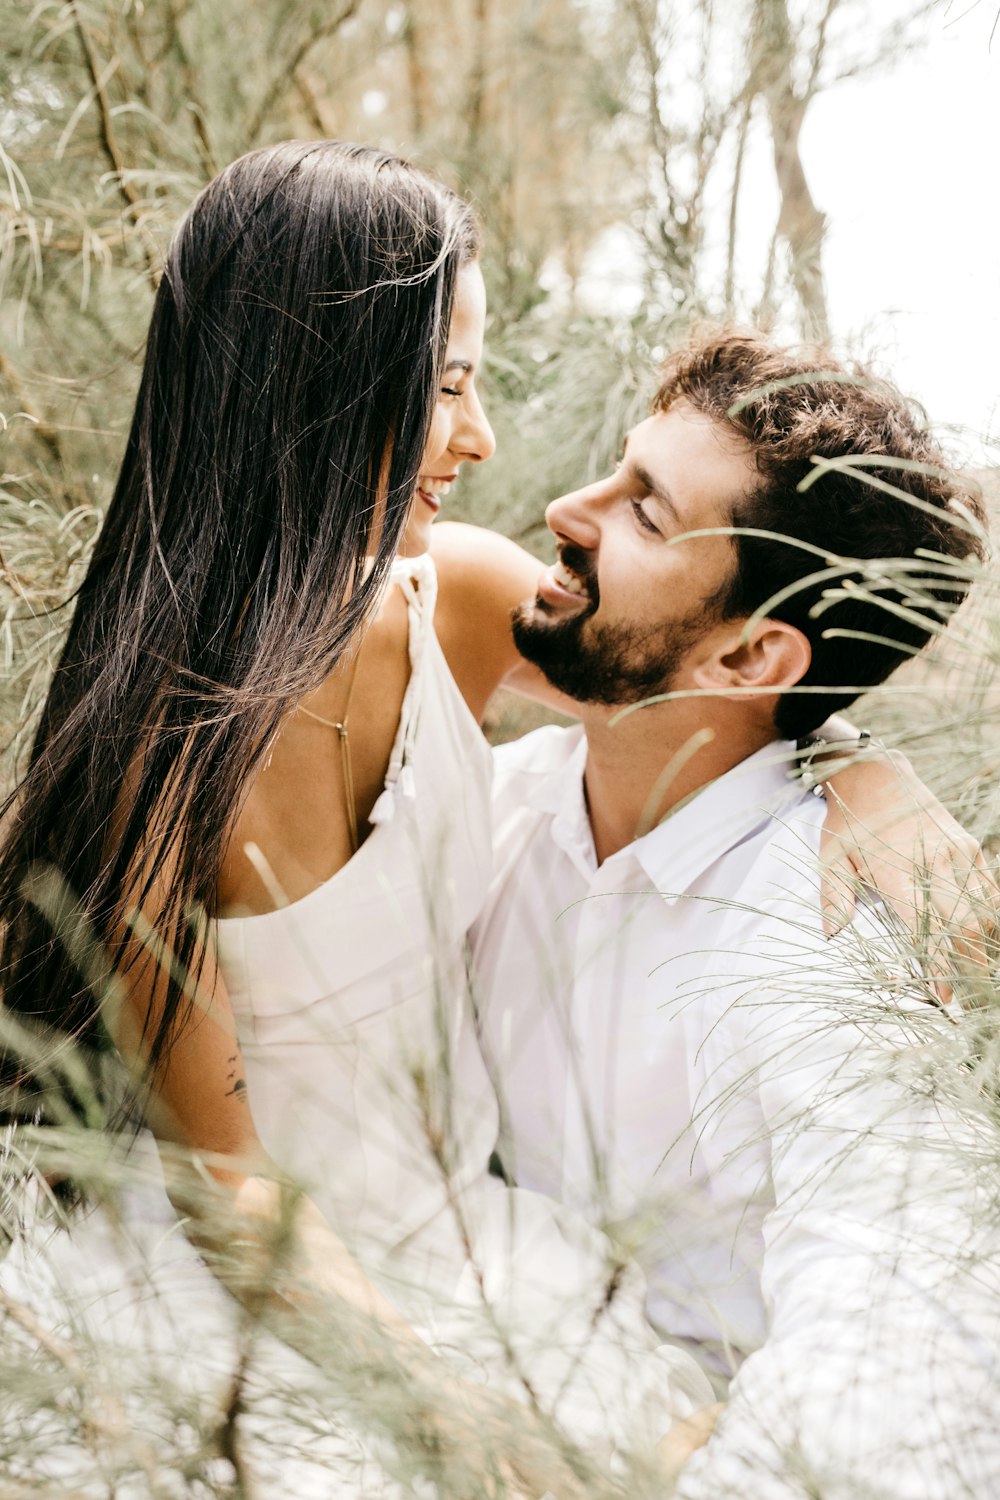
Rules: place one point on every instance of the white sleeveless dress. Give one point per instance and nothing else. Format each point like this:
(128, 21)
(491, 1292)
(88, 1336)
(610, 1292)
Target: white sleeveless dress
(351, 1004)
(368, 1087)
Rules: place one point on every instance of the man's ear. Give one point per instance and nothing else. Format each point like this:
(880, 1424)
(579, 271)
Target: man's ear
(768, 657)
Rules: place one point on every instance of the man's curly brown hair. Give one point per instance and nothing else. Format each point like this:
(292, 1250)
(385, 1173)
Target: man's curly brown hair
(793, 406)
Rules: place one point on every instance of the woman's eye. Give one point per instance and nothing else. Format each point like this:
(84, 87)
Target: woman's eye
(449, 390)
(642, 518)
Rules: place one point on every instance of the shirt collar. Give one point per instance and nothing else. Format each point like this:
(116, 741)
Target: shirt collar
(560, 794)
(716, 819)
(680, 849)
(557, 773)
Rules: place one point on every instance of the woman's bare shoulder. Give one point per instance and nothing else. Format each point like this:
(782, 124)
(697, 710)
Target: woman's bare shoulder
(469, 557)
(482, 576)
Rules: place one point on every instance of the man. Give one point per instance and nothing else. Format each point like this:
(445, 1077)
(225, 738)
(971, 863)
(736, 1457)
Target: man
(758, 1112)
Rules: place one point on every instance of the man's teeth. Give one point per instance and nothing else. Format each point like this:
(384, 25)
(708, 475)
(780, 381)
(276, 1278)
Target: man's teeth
(568, 580)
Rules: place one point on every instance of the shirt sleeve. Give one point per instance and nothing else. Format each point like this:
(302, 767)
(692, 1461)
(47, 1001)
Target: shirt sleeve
(880, 1375)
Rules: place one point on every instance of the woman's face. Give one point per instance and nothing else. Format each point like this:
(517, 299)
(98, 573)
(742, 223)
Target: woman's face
(459, 431)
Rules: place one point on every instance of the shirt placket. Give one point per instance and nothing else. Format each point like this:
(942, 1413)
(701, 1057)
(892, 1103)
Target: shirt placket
(600, 970)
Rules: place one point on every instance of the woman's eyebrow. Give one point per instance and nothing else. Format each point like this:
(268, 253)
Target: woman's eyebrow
(458, 364)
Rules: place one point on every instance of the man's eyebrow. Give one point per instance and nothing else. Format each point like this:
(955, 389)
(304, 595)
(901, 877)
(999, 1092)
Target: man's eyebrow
(657, 490)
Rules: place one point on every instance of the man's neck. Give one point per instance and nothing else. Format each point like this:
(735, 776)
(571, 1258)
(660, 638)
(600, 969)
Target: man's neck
(640, 768)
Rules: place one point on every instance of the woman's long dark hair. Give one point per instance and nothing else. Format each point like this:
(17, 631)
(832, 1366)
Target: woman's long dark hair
(290, 376)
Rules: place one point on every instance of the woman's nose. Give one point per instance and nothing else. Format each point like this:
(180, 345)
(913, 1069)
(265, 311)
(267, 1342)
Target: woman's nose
(476, 441)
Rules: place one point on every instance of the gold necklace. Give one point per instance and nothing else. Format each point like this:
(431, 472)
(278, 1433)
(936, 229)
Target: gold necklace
(340, 725)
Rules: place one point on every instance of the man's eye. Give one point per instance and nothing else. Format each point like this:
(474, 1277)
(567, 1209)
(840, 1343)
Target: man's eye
(642, 518)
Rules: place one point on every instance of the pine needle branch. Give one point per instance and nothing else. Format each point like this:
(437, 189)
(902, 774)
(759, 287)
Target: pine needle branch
(99, 79)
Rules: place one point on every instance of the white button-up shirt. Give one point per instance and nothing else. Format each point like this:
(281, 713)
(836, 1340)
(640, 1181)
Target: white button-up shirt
(753, 1110)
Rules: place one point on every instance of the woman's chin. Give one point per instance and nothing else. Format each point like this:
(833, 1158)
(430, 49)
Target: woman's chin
(416, 539)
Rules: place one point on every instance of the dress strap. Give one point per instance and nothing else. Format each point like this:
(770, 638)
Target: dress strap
(417, 578)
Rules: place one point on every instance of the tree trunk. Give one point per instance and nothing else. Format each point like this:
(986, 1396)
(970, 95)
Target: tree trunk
(800, 223)
(420, 97)
(476, 100)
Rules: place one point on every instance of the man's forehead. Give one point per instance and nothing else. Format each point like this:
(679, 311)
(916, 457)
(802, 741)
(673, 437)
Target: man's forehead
(701, 427)
(696, 458)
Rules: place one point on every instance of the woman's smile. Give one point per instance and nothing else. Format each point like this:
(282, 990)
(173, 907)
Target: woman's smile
(432, 490)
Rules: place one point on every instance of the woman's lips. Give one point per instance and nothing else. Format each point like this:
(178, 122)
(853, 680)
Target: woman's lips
(432, 489)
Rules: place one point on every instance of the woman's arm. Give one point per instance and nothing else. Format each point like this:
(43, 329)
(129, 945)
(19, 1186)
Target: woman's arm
(886, 830)
(198, 1107)
(482, 577)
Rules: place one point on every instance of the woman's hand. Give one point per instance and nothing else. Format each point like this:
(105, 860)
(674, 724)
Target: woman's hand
(686, 1437)
(884, 829)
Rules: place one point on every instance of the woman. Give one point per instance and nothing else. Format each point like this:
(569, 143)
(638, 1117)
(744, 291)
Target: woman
(299, 417)
(254, 827)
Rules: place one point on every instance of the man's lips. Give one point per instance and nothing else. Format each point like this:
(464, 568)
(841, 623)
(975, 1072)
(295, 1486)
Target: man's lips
(561, 587)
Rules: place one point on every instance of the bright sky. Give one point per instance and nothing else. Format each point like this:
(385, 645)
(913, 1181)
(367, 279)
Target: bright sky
(905, 167)
(903, 163)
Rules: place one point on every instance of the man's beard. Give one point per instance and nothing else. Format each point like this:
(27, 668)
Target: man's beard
(612, 664)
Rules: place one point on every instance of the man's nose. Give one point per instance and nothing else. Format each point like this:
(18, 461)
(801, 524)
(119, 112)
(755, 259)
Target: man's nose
(573, 518)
